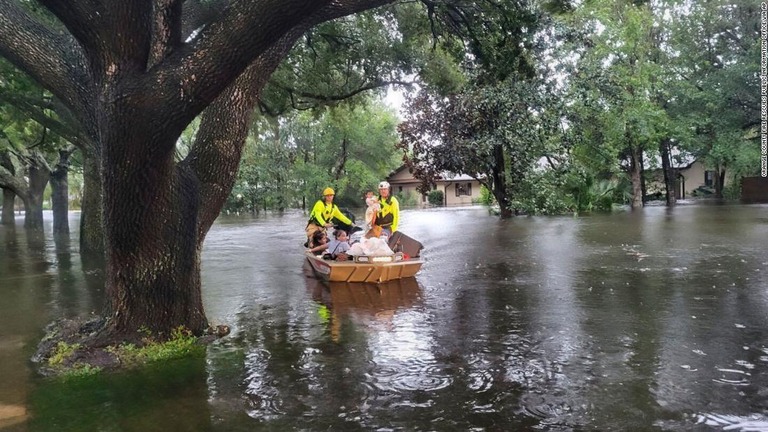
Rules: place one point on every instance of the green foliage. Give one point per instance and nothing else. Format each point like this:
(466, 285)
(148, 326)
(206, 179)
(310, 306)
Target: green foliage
(79, 371)
(61, 353)
(182, 343)
(540, 193)
(493, 130)
(486, 197)
(411, 199)
(290, 160)
(569, 190)
(436, 197)
(733, 190)
(60, 360)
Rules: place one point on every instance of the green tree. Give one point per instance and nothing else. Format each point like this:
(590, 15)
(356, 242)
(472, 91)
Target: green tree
(616, 85)
(24, 101)
(494, 133)
(497, 121)
(134, 91)
(350, 146)
(716, 46)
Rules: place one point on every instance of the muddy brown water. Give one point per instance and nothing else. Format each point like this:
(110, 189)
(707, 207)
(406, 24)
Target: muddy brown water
(652, 320)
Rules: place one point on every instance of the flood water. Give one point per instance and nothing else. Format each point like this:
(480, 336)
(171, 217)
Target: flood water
(652, 320)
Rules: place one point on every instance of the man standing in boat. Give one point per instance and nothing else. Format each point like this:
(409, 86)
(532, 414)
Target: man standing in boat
(323, 213)
(389, 213)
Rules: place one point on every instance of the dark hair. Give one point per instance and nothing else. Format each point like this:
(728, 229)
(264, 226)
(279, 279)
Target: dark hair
(317, 236)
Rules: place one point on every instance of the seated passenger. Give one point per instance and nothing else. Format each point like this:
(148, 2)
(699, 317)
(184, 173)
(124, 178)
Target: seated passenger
(338, 247)
(318, 243)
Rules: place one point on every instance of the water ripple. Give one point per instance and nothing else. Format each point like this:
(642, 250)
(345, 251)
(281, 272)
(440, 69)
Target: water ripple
(752, 423)
(418, 375)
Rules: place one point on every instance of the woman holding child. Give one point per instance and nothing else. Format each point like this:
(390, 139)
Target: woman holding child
(389, 212)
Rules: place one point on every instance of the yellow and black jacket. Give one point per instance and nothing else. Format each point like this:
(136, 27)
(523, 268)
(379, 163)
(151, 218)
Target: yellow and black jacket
(323, 213)
(389, 215)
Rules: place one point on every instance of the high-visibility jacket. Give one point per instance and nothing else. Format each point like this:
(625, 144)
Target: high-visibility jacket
(389, 215)
(322, 213)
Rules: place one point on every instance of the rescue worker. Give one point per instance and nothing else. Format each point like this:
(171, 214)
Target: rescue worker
(323, 213)
(389, 213)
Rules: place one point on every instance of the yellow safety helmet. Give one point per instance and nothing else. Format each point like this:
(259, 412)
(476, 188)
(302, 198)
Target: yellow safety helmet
(328, 191)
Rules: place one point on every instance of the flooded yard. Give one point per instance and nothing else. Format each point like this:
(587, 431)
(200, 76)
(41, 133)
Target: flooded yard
(651, 320)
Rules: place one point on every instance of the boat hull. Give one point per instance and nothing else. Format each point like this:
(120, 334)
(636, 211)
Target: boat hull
(373, 272)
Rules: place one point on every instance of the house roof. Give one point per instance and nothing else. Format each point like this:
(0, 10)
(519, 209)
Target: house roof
(445, 176)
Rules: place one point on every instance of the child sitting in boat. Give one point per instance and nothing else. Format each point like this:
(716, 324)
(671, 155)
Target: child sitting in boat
(338, 247)
(319, 242)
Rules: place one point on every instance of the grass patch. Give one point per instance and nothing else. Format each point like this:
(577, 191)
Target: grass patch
(182, 343)
(61, 353)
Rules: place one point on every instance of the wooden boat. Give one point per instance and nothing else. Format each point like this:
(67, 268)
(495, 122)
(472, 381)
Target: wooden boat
(375, 269)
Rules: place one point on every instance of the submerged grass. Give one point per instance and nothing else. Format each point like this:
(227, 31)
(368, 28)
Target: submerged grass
(182, 343)
(72, 360)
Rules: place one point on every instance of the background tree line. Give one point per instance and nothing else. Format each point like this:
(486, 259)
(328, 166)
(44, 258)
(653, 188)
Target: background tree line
(567, 116)
(554, 106)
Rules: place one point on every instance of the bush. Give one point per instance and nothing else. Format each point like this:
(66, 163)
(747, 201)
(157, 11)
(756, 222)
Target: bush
(733, 190)
(411, 199)
(486, 197)
(435, 197)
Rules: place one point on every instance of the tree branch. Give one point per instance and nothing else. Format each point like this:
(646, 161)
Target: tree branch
(166, 30)
(232, 110)
(52, 59)
(35, 110)
(101, 28)
(341, 96)
(196, 74)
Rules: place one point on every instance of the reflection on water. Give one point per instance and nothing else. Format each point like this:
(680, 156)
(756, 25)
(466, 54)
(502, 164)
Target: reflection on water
(652, 320)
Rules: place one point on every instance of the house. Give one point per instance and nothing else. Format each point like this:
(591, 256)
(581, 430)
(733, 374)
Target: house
(457, 189)
(689, 178)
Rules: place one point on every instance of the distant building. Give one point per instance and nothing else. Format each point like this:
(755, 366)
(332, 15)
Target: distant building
(457, 189)
(689, 178)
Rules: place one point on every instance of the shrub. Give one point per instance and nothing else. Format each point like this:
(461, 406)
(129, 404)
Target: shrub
(436, 197)
(410, 199)
(486, 197)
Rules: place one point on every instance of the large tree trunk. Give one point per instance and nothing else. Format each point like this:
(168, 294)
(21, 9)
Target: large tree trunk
(635, 175)
(153, 256)
(670, 175)
(134, 91)
(499, 183)
(9, 200)
(9, 196)
(60, 193)
(39, 174)
(91, 223)
(150, 216)
(719, 181)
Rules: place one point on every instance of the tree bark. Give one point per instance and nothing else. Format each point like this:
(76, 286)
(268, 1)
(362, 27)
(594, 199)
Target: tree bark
(39, 174)
(9, 200)
(135, 90)
(60, 193)
(670, 174)
(499, 183)
(9, 195)
(719, 181)
(636, 174)
(91, 223)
